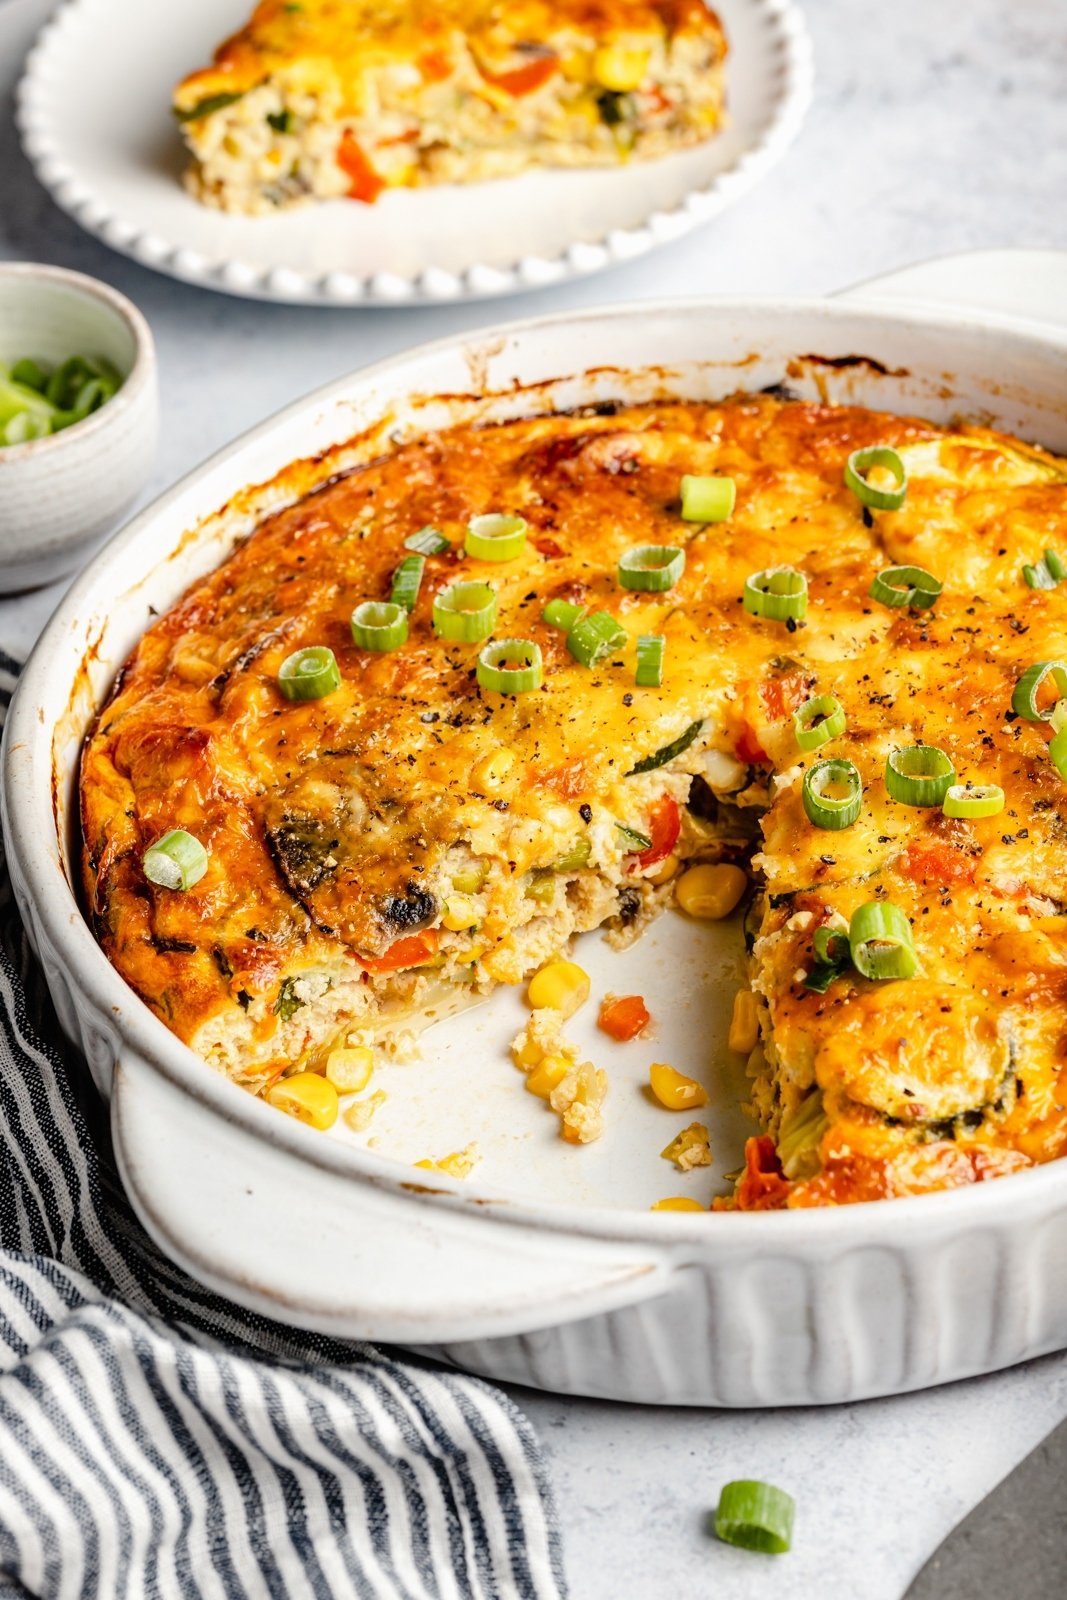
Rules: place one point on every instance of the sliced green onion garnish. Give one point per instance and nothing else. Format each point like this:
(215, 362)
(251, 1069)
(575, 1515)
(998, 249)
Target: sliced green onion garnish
(756, 1516)
(562, 614)
(1048, 572)
(831, 944)
(650, 649)
(465, 611)
(495, 537)
(407, 580)
(1024, 700)
(427, 542)
(651, 567)
(595, 636)
(973, 800)
(176, 861)
(861, 462)
(1057, 750)
(778, 593)
(1038, 577)
(309, 674)
(818, 721)
(832, 794)
(919, 775)
(379, 625)
(707, 499)
(879, 937)
(824, 973)
(906, 586)
(659, 758)
(510, 666)
(634, 840)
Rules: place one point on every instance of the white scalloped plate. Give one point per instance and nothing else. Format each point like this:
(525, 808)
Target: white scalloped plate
(94, 113)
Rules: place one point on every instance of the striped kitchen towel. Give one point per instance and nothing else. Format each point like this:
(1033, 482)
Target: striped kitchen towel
(156, 1440)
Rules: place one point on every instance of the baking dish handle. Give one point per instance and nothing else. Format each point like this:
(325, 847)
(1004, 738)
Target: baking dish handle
(1019, 286)
(297, 1241)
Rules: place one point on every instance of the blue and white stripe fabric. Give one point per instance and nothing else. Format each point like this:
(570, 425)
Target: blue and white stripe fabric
(156, 1440)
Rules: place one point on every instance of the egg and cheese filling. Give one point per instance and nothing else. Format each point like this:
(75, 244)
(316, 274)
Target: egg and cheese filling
(332, 98)
(422, 829)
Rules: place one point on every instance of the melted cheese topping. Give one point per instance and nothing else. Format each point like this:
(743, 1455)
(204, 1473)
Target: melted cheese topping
(342, 43)
(328, 821)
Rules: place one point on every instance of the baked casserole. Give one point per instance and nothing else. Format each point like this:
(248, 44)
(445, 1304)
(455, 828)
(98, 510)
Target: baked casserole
(328, 98)
(508, 683)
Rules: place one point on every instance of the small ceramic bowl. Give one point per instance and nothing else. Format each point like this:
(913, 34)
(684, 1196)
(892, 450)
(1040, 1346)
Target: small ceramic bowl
(60, 494)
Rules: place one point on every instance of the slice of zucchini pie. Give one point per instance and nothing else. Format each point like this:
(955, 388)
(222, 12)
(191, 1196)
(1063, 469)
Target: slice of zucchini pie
(506, 683)
(328, 98)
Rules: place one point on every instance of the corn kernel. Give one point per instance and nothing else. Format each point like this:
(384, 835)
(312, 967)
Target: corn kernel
(562, 985)
(744, 1024)
(547, 1074)
(467, 958)
(615, 67)
(664, 872)
(459, 913)
(527, 1054)
(492, 769)
(349, 1070)
(710, 892)
(307, 1096)
(677, 1202)
(673, 1089)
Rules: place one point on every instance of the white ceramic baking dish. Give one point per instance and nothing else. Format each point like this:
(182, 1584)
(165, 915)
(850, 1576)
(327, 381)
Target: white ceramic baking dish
(546, 1267)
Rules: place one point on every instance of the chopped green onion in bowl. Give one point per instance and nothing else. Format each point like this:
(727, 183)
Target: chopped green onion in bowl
(37, 400)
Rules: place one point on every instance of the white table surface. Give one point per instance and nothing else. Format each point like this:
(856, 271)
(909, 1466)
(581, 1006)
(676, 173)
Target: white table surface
(938, 126)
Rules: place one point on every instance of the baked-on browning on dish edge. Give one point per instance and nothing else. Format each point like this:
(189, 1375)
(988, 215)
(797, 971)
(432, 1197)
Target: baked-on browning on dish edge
(333, 98)
(339, 830)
